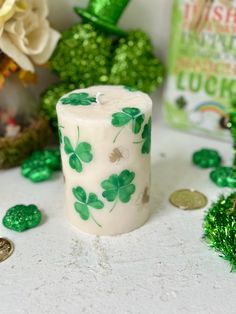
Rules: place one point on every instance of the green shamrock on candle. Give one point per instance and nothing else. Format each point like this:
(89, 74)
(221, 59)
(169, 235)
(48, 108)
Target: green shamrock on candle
(224, 177)
(206, 158)
(60, 133)
(84, 203)
(146, 136)
(78, 99)
(119, 187)
(130, 88)
(128, 115)
(82, 153)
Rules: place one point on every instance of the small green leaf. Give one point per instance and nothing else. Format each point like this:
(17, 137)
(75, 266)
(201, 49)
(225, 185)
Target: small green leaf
(94, 202)
(80, 194)
(133, 112)
(78, 99)
(146, 136)
(75, 163)
(67, 146)
(110, 195)
(120, 119)
(126, 177)
(83, 151)
(138, 124)
(83, 210)
(111, 183)
(126, 192)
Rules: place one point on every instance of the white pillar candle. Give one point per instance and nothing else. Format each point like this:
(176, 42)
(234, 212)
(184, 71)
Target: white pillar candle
(105, 134)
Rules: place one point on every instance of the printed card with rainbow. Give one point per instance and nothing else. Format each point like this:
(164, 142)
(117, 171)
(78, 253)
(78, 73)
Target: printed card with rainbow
(201, 67)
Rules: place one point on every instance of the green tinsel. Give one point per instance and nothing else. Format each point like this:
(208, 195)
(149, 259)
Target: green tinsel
(220, 228)
(83, 56)
(50, 98)
(135, 65)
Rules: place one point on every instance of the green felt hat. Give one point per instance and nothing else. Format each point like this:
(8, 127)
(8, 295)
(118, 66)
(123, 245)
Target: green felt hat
(104, 14)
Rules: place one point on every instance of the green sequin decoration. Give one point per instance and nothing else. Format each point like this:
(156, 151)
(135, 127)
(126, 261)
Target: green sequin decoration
(40, 166)
(206, 158)
(21, 217)
(83, 56)
(220, 228)
(135, 65)
(224, 177)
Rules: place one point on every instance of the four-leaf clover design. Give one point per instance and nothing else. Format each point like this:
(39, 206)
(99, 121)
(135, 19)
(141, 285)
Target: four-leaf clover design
(85, 202)
(119, 187)
(82, 153)
(78, 99)
(127, 115)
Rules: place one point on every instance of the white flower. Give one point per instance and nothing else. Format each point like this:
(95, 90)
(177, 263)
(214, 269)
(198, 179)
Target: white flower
(26, 36)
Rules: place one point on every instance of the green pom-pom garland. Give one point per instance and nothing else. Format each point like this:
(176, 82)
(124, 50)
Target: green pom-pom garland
(135, 65)
(220, 228)
(83, 56)
(50, 98)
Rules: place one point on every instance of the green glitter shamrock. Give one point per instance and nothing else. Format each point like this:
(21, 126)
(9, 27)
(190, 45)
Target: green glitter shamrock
(220, 228)
(121, 119)
(206, 158)
(22, 217)
(181, 102)
(146, 136)
(41, 164)
(84, 202)
(82, 153)
(78, 99)
(134, 63)
(119, 187)
(50, 97)
(224, 177)
(83, 56)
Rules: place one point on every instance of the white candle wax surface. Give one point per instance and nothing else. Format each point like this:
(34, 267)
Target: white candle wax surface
(105, 134)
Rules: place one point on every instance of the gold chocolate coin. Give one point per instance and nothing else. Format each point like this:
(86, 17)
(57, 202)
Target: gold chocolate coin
(188, 199)
(6, 249)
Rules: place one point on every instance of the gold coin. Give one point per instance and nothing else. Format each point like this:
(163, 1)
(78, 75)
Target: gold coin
(6, 249)
(188, 199)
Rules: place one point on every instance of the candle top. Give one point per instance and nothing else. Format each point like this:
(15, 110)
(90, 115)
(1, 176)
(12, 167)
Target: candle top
(100, 102)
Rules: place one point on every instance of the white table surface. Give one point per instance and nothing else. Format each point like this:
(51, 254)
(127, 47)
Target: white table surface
(164, 267)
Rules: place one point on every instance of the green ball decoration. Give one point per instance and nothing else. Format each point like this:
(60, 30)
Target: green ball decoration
(224, 177)
(206, 158)
(41, 165)
(21, 217)
(50, 98)
(135, 65)
(83, 56)
(220, 228)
